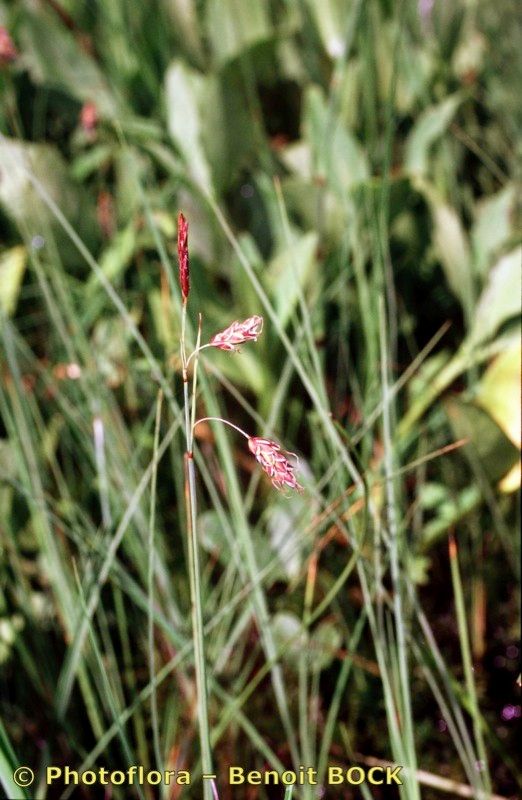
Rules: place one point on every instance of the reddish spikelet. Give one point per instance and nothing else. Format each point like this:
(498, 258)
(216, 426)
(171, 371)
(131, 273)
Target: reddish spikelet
(105, 213)
(183, 257)
(8, 52)
(89, 117)
(238, 333)
(274, 462)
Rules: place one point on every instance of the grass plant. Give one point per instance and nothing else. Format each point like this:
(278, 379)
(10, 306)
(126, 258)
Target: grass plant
(173, 595)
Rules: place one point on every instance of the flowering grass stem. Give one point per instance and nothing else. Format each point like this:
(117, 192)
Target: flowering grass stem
(197, 351)
(194, 385)
(224, 421)
(193, 557)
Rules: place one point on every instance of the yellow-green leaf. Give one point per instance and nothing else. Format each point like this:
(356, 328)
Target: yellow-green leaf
(500, 299)
(511, 481)
(12, 267)
(430, 126)
(452, 247)
(233, 26)
(290, 269)
(499, 392)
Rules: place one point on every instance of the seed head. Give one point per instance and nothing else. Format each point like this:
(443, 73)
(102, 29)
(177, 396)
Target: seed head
(8, 51)
(183, 257)
(274, 462)
(238, 333)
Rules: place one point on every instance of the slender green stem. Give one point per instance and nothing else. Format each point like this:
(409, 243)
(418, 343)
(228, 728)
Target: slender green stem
(213, 787)
(152, 521)
(335, 704)
(307, 322)
(303, 677)
(224, 421)
(393, 529)
(197, 623)
(186, 401)
(198, 350)
(194, 385)
(194, 568)
(468, 665)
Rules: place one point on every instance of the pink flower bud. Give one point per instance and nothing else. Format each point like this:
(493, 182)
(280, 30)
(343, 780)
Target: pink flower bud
(183, 257)
(8, 52)
(237, 333)
(89, 117)
(274, 462)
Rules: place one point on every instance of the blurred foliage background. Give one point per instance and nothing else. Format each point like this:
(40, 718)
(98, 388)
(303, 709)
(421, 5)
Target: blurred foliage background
(350, 169)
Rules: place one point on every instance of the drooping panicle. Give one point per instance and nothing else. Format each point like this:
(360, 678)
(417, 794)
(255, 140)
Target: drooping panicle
(274, 462)
(183, 257)
(238, 333)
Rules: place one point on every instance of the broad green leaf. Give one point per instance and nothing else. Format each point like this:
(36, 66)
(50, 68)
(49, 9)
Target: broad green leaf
(185, 25)
(90, 161)
(431, 495)
(331, 19)
(410, 83)
(501, 299)
(116, 257)
(349, 92)
(499, 392)
(8, 465)
(452, 248)
(121, 56)
(429, 127)
(303, 197)
(212, 536)
(228, 133)
(512, 480)
(233, 26)
(216, 541)
(25, 205)
(292, 268)
(297, 157)
(449, 514)
(131, 170)
(418, 568)
(51, 437)
(243, 368)
(166, 323)
(12, 268)
(468, 58)
(110, 344)
(185, 92)
(165, 222)
(244, 294)
(493, 226)
(487, 440)
(336, 154)
(289, 636)
(286, 519)
(427, 373)
(324, 645)
(9, 630)
(54, 58)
